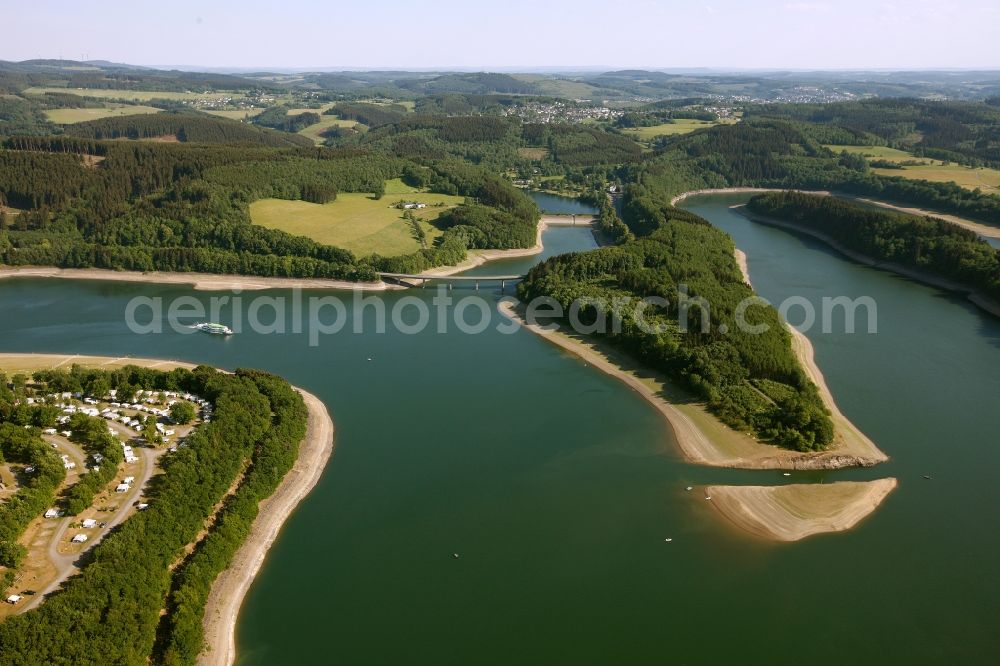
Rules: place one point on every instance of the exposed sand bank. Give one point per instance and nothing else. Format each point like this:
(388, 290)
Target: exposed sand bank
(848, 439)
(741, 261)
(978, 227)
(793, 512)
(213, 282)
(10, 362)
(737, 190)
(230, 588)
(700, 436)
(199, 281)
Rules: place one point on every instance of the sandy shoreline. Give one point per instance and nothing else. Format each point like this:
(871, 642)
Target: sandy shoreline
(214, 282)
(978, 227)
(848, 438)
(481, 257)
(702, 438)
(793, 512)
(933, 280)
(737, 190)
(17, 362)
(231, 586)
(199, 281)
(781, 513)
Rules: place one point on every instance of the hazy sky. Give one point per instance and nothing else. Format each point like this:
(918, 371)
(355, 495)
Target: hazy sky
(827, 34)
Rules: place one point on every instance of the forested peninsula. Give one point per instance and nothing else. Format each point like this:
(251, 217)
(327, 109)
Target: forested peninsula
(140, 594)
(752, 382)
(87, 200)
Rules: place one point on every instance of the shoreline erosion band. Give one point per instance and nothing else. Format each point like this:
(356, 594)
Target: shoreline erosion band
(779, 513)
(230, 587)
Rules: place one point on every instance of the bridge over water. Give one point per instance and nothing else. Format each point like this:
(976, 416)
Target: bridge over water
(422, 278)
(548, 219)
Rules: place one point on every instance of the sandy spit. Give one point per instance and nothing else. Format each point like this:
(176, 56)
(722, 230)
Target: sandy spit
(793, 512)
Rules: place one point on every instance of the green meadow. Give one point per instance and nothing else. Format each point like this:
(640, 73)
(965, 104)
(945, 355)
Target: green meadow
(356, 221)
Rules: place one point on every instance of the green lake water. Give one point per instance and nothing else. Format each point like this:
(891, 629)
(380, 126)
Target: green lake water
(553, 203)
(557, 487)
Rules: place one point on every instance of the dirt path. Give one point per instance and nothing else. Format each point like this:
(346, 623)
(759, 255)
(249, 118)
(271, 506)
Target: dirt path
(66, 563)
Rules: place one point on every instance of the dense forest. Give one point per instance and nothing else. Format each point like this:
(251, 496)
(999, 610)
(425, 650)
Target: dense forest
(82, 198)
(21, 442)
(279, 118)
(576, 145)
(926, 244)
(89, 201)
(781, 154)
(112, 608)
(963, 132)
(23, 117)
(476, 83)
(186, 126)
(373, 115)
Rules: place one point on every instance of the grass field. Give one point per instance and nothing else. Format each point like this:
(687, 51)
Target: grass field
(874, 152)
(319, 110)
(680, 126)
(988, 180)
(314, 131)
(70, 116)
(139, 95)
(533, 153)
(936, 171)
(356, 222)
(236, 114)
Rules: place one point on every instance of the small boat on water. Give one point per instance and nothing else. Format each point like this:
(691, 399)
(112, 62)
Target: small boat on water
(213, 329)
